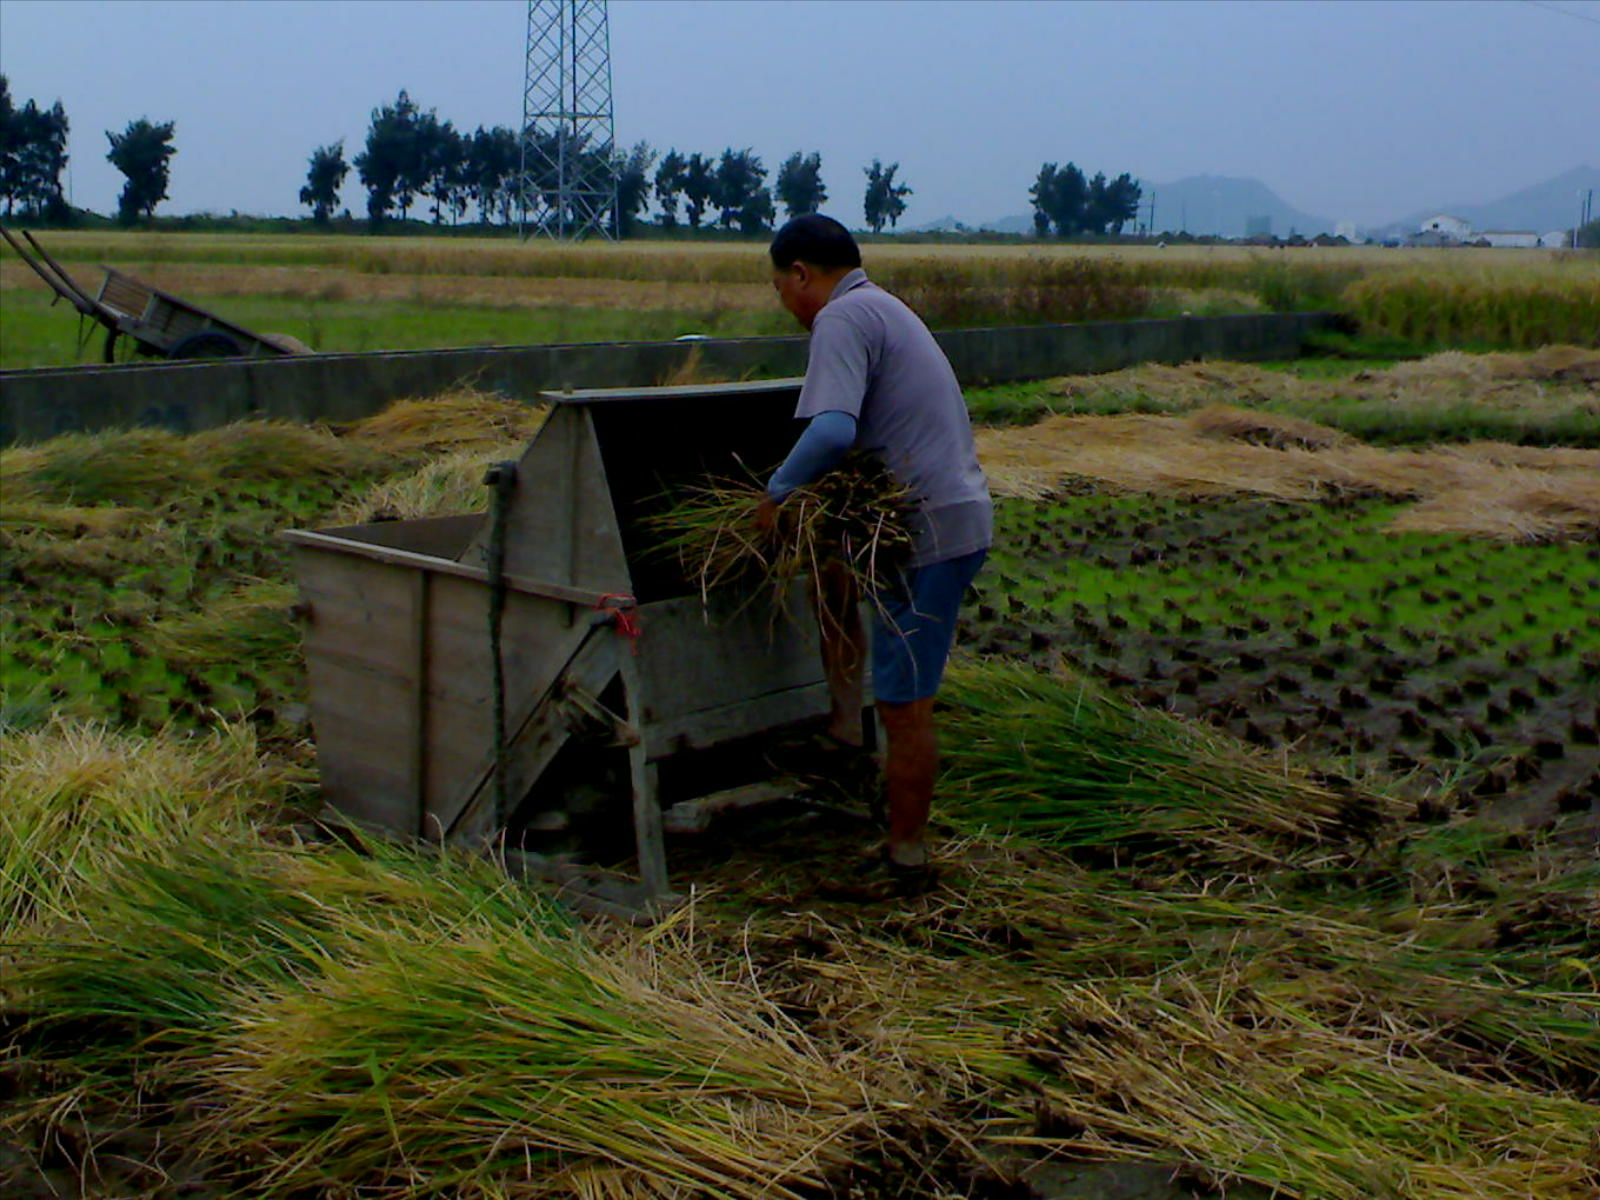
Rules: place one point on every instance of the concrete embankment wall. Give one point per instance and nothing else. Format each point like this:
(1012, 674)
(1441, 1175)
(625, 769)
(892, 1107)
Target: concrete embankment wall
(41, 403)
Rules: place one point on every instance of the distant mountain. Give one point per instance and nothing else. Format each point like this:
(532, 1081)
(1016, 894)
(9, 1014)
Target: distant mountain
(1008, 225)
(1541, 208)
(945, 224)
(1208, 204)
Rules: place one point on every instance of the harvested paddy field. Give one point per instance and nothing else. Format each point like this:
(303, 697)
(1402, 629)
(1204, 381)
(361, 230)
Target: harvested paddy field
(1267, 852)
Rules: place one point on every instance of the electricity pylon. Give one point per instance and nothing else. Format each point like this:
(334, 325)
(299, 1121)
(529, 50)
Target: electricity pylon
(567, 184)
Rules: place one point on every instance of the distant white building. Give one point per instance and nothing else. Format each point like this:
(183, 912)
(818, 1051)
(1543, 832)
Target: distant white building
(1447, 226)
(1556, 239)
(1510, 239)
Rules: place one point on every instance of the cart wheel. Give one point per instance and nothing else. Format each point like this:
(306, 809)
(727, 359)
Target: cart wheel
(209, 344)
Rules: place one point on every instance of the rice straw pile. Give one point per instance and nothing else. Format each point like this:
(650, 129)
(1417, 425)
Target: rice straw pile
(1490, 489)
(448, 485)
(856, 518)
(1548, 380)
(462, 419)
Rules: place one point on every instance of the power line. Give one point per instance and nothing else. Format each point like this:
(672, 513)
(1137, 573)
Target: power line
(1565, 12)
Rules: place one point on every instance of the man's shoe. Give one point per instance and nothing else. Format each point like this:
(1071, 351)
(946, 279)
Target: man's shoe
(880, 878)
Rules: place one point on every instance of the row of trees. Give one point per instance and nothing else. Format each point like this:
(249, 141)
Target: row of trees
(33, 154)
(410, 153)
(1065, 200)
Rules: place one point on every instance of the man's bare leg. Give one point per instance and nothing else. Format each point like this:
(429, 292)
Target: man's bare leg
(911, 762)
(844, 654)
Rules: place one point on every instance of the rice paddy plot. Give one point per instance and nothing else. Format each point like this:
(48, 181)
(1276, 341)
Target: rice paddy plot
(1316, 627)
(144, 583)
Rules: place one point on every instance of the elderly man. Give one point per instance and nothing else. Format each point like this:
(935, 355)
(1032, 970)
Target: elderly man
(876, 380)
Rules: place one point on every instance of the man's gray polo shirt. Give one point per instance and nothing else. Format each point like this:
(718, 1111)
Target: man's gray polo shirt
(873, 358)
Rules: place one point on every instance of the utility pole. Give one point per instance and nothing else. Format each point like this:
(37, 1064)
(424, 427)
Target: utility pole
(567, 181)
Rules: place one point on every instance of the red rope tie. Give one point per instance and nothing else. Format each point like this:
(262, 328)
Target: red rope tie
(621, 607)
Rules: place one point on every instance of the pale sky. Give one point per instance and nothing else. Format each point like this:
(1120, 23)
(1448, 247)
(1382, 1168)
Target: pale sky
(1353, 109)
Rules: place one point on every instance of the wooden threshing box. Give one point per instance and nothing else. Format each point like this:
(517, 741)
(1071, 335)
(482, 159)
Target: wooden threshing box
(398, 640)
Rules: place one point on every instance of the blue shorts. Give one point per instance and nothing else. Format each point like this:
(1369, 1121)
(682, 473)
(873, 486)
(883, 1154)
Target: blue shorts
(913, 626)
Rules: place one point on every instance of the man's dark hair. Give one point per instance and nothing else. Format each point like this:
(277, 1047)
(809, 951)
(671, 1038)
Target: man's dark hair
(815, 239)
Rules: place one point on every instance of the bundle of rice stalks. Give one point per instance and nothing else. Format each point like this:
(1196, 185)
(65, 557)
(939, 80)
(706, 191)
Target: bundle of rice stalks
(265, 450)
(446, 486)
(173, 926)
(1061, 761)
(508, 1062)
(1549, 364)
(414, 1020)
(158, 947)
(856, 518)
(1520, 506)
(75, 798)
(1276, 431)
(1259, 1089)
(21, 517)
(958, 989)
(456, 420)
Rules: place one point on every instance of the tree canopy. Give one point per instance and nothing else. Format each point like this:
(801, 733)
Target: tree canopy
(632, 172)
(740, 192)
(669, 186)
(323, 178)
(699, 184)
(885, 199)
(799, 187)
(33, 153)
(1064, 199)
(142, 152)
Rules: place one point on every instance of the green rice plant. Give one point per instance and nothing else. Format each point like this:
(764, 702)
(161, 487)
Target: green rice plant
(1523, 312)
(1062, 761)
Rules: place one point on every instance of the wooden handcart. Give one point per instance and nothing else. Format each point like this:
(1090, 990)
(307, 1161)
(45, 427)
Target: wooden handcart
(156, 323)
